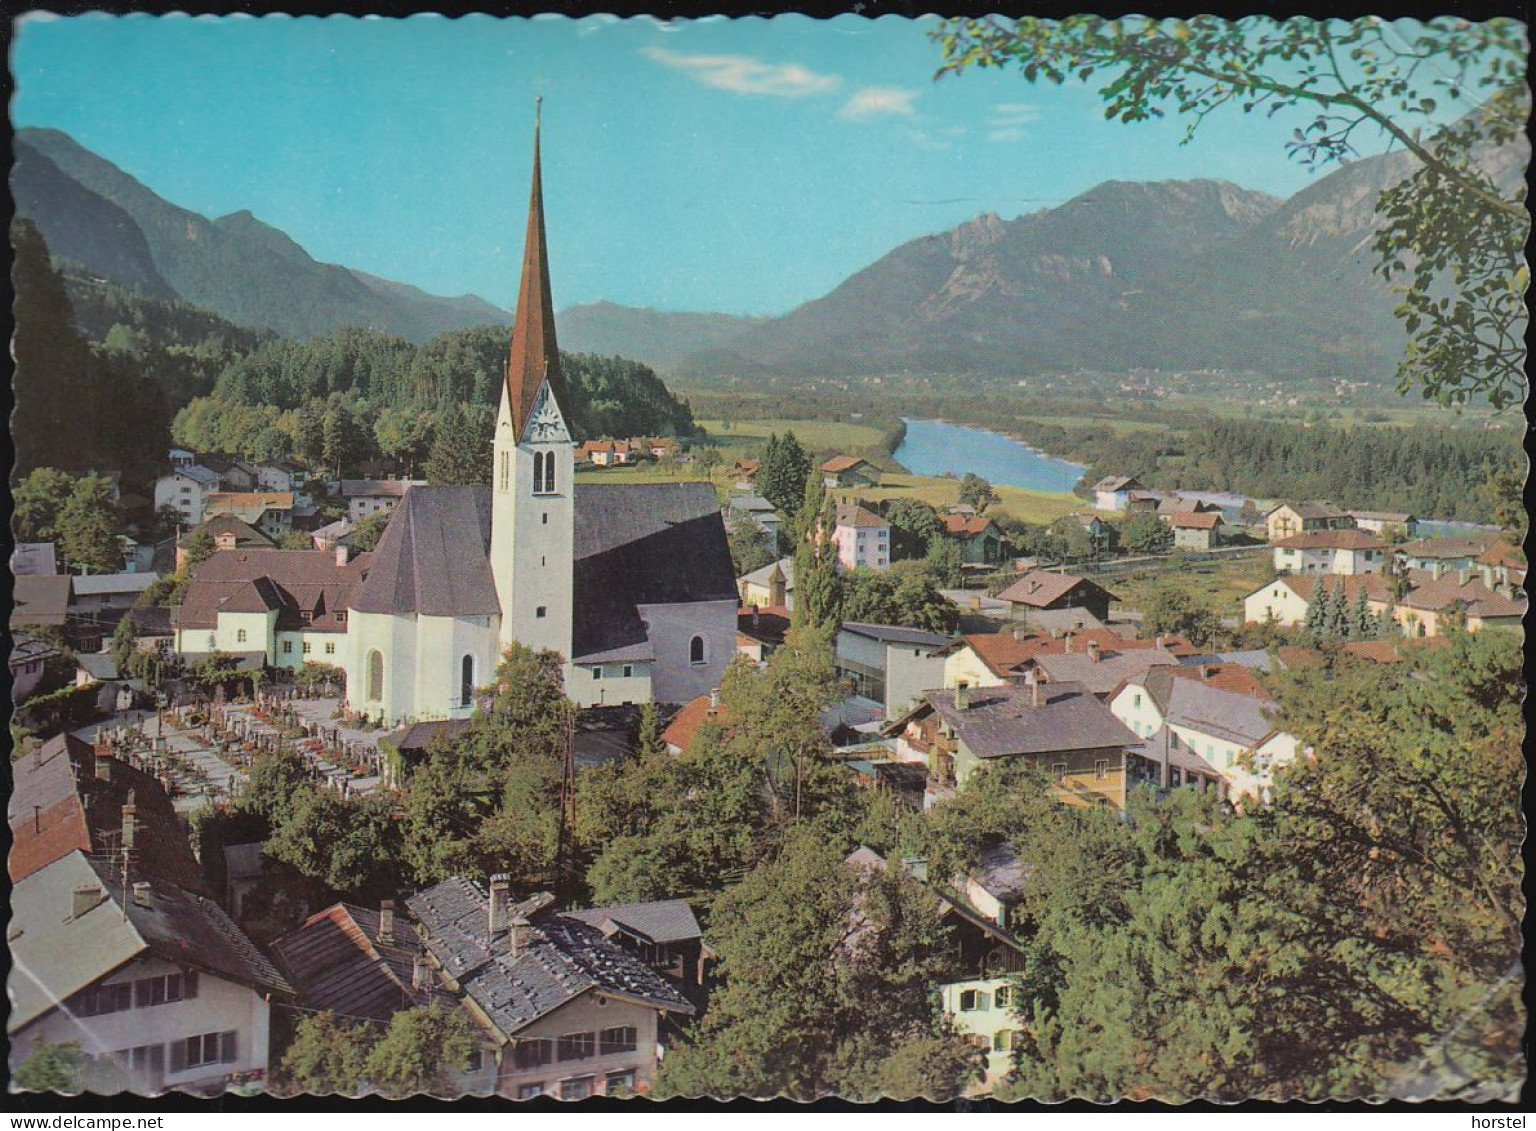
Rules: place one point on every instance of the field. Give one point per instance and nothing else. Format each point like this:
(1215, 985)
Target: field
(815, 435)
(1216, 585)
(939, 492)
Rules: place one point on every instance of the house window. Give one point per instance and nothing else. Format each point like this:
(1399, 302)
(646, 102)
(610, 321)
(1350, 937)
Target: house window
(1136, 701)
(476, 1061)
(1101, 769)
(112, 998)
(330, 647)
(597, 672)
(618, 1082)
(534, 1052)
(306, 616)
(972, 1000)
(466, 681)
(544, 518)
(1002, 1040)
(575, 1046)
(206, 1048)
(304, 647)
(578, 1089)
(617, 1040)
(541, 612)
(504, 470)
(375, 676)
(696, 650)
(1003, 998)
(240, 636)
(529, 1091)
(629, 670)
(287, 647)
(1175, 778)
(1060, 770)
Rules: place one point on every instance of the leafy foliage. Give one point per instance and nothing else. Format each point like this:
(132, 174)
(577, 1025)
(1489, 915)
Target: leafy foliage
(782, 478)
(52, 1068)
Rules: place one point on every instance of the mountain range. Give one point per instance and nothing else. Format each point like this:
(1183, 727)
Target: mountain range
(1171, 274)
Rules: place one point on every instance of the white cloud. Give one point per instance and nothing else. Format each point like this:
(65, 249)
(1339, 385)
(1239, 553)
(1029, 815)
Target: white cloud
(1005, 135)
(879, 101)
(1014, 114)
(743, 74)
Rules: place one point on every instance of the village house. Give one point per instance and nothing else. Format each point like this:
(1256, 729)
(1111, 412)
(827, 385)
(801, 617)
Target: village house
(849, 471)
(889, 664)
(1386, 524)
(1285, 600)
(664, 934)
(1438, 556)
(744, 471)
(1435, 605)
(1059, 728)
(680, 731)
(1339, 551)
(34, 558)
(1113, 492)
(760, 630)
(333, 534)
(27, 657)
(271, 512)
(1219, 713)
(1197, 530)
(862, 538)
(279, 475)
(41, 600)
(756, 510)
(286, 606)
(1097, 662)
(1289, 519)
(185, 491)
(234, 474)
(365, 497)
(1040, 590)
(228, 533)
(604, 453)
(156, 984)
(1503, 568)
(977, 535)
(771, 586)
(98, 593)
(1100, 533)
(1171, 506)
(1144, 501)
(569, 1012)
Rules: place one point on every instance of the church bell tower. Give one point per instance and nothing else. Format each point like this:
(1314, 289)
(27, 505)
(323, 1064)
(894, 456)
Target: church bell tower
(532, 493)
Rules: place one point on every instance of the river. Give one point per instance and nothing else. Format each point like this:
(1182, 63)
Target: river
(934, 447)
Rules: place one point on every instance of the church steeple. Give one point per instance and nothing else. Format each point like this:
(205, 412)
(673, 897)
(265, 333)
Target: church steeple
(534, 356)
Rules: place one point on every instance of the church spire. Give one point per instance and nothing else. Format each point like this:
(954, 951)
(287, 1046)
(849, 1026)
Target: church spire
(534, 355)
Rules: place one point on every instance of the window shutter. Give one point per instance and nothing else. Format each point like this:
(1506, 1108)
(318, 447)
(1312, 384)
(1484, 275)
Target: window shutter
(227, 1047)
(178, 1056)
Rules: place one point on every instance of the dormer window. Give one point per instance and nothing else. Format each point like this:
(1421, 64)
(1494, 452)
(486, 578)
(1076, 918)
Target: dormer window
(306, 616)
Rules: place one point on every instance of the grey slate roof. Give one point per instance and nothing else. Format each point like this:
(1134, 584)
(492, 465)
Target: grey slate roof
(1003, 721)
(1103, 675)
(1196, 705)
(643, 544)
(564, 958)
(896, 634)
(660, 921)
(433, 558)
(339, 961)
(34, 557)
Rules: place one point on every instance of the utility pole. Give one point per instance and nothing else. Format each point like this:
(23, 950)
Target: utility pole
(567, 790)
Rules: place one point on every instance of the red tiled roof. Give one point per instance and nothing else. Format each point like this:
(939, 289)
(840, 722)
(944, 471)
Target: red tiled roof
(1224, 677)
(1041, 589)
(851, 514)
(1192, 520)
(1331, 540)
(686, 723)
(298, 581)
(1305, 584)
(1501, 553)
(842, 463)
(966, 526)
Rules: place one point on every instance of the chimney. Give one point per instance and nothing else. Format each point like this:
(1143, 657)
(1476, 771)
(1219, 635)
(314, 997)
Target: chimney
(1208, 671)
(419, 976)
(103, 768)
(1037, 694)
(1067, 642)
(755, 615)
(962, 698)
(519, 934)
(1158, 640)
(84, 899)
(1093, 651)
(1435, 569)
(341, 554)
(1463, 575)
(1020, 633)
(141, 896)
(501, 896)
(387, 922)
(714, 700)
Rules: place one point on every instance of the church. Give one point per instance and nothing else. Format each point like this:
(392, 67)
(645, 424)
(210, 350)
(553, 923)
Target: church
(632, 583)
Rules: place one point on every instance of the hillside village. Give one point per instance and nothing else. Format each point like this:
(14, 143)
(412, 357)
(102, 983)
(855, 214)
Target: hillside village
(377, 783)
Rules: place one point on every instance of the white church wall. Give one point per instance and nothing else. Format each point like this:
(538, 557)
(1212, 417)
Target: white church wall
(441, 645)
(674, 677)
(394, 638)
(599, 685)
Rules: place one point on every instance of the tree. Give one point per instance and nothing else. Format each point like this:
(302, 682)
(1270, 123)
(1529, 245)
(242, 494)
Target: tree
(197, 549)
(86, 525)
(1451, 229)
(782, 477)
(326, 1057)
(914, 526)
(353, 846)
(1503, 488)
(1075, 540)
(905, 594)
(1144, 533)
(343, 440)
(53, 1068)
(296, 540)
(751, 548)
(977, 492)
(1174, 611)
(461, 443)
(38, 499)
(368, 532)
(402, 435)
(124, 643)
(648, 741)
(1362, 622)
(418, 1050)
(944, 562)
(826, 973)
(818, 585)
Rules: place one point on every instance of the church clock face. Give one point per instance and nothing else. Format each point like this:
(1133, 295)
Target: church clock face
(544, 424)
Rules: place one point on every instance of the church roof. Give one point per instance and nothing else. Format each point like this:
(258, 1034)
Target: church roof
(434, 557)
(534, 356)
(643, 544)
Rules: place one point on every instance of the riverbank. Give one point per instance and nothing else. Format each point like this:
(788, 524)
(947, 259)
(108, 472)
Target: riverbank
(943, 447)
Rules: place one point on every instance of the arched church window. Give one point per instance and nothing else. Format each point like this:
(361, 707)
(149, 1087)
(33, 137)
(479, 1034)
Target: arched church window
(375, 676)
(538, 473)
(543, 473)
(549, 472)
(696, 650)
(467, 681)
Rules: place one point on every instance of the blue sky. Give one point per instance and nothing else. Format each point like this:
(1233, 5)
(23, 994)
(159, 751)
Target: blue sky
(735, 165)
